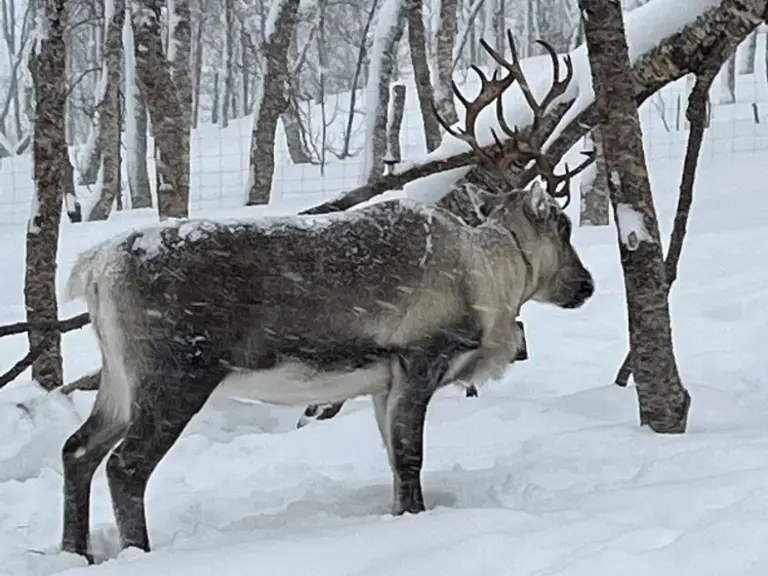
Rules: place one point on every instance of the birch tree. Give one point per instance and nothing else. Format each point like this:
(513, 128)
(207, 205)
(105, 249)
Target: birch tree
(135, 125)
(417, 43)
(228, 43)
(447, 30)
(51, 162)
(595, 199)
(167, 91)
(387, 35)
(270, 101)
(663, 400)
(108, 110)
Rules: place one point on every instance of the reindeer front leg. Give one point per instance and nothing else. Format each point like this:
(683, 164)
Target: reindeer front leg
(400, 416)
(501, 344)
(401, 413)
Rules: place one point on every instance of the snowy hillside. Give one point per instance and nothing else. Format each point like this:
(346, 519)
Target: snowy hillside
(546, 473)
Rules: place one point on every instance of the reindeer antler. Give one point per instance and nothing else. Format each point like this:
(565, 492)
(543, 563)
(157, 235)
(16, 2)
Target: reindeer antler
(490, 90)
(529, 146)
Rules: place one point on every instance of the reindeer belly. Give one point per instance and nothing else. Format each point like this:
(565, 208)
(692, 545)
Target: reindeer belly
(295, 382)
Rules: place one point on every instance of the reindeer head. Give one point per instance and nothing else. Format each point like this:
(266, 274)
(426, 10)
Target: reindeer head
(534, 217)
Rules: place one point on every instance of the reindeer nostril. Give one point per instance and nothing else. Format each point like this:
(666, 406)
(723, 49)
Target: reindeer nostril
(587, 289)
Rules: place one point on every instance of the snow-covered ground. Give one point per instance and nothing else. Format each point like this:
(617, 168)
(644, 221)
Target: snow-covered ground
(546, 473)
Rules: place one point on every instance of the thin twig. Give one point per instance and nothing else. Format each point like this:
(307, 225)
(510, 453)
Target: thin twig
(62, 326)
(17, 369)
(50, 328)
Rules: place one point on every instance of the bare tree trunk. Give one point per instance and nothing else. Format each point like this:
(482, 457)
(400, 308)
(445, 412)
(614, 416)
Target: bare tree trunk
(697, 116)
(322, 67)
(663, 401)
(595, 199)
(499, 26)
(417, 43)
(447, 31)
(109, 116)
(246, 77)
(165, 101)
(49, 74)
(215, 105)
(389, 32)
(229, 56)
(180, 58)
(293, 139)
(355, 79)
(198, 65)
(270, 102)
(395, 123)
(138, 173)
(136, 126)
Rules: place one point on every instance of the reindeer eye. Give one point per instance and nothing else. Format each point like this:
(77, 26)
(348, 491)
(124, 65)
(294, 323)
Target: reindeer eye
(564, 226)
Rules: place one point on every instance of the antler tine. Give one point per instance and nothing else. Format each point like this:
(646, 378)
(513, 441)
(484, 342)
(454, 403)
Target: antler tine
(558, 87)
(554, 180)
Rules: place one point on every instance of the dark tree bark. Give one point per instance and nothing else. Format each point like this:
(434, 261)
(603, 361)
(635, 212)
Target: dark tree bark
(216, 98)
(180, 58)
(595, 200)
(417, 43)
(164, 101)
(271, 103)
(51, 160)
(229, 61)
(109, 116)
(197, 41)
(447, 31)
(395, 123)
(663, 400)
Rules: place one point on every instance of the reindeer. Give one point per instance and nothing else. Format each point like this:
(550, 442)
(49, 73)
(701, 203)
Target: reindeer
(392, 301)
(530, 149)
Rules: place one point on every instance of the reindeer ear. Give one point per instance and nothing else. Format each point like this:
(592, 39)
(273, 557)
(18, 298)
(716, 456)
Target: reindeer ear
(486, 202)
(483, 201)
(539, 201)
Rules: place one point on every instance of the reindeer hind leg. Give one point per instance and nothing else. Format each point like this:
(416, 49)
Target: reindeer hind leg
(166, 401)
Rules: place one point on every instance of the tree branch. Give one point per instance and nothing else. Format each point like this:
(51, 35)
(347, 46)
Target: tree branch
(61, 327)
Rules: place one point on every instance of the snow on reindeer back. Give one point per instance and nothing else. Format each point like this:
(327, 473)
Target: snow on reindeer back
(174, 234)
